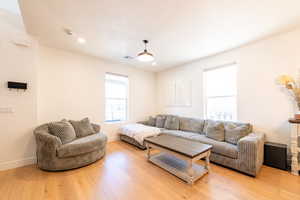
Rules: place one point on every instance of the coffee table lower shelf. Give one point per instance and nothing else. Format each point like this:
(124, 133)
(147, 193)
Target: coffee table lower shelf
(178, 167)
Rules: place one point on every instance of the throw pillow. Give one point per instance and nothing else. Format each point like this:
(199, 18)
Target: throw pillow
(191, 124)
(172, 122)
(215, 130)
(234, 133)
(160, 121)
(152, 121)
(83, 127)
(64, 130)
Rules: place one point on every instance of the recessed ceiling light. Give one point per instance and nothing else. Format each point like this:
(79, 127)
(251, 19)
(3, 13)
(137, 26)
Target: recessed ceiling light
(81, 40)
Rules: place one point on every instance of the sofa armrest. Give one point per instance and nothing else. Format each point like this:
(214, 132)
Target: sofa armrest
(47, 144)
(96, 127)
(143, 122)
(251, 152)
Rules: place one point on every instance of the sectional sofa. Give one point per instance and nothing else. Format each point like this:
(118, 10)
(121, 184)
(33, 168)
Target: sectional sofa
(235, 145)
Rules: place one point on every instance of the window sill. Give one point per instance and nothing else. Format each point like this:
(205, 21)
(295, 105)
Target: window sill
(115, 122)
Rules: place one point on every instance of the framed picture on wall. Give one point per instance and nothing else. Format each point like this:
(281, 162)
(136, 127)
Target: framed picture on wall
(179, 93)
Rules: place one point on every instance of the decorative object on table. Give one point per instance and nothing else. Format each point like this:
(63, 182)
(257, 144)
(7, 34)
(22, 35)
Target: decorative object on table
(295, 149)
(293, 88)
(275, 155)
(60, 149)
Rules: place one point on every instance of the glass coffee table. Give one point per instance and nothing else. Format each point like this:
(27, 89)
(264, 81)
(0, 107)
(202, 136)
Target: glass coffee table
(178, 156)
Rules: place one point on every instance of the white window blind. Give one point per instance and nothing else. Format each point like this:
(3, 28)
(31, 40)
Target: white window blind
(116, 97)
(220, 93)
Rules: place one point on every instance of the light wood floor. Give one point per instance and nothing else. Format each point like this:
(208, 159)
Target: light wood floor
(125, 174)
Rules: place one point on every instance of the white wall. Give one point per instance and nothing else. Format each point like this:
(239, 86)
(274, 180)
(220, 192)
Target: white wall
(68, 85)
(16, 64)
(61, 85)
(72, 86)
(260, 101)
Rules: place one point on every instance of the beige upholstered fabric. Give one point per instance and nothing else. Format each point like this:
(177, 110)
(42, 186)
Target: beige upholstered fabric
(152, 121)
(82, 145)
(96, 128)
(172, 122)
(184, 134)
(191, 124)
(83, 127)
(234, 132)
(48, 146)
(160, 121)
(64, 130)
(214, 130)
(245, 156)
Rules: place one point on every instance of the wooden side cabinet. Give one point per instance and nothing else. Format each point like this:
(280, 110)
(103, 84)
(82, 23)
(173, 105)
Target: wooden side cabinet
(295, 149)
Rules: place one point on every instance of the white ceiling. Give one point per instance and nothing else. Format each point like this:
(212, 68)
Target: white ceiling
(179, 31)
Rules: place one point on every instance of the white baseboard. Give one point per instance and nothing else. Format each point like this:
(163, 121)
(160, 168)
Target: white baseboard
(17, 163)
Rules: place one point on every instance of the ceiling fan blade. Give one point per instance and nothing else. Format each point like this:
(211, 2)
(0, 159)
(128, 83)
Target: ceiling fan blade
(129, 57)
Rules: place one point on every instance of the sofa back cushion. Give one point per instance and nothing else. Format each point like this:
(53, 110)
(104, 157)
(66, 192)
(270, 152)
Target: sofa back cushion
(235, 131)
(64, 130)
(83, 127)
(160, 121)
(191, 124)
(172, 122)
(214, 130)
(151, 121)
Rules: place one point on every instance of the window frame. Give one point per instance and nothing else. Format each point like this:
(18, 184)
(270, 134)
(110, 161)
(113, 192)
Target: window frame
(205, 97)
(126, 99)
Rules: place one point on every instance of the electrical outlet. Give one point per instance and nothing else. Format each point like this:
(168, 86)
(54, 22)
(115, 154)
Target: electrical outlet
(6, 110)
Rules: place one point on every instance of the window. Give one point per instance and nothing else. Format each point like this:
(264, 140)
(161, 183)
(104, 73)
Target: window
(220, 93)
(116, 97)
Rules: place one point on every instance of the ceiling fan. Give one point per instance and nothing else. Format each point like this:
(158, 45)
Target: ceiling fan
(144, 56)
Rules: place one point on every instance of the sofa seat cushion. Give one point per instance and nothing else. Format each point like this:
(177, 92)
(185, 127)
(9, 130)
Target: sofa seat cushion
(82, 145)
(222, 148)
(184, 134)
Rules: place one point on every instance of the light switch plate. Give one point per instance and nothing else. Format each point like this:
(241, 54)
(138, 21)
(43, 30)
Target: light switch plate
(6, 110)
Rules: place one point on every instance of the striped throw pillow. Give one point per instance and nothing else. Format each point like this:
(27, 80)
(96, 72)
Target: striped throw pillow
(64, 130)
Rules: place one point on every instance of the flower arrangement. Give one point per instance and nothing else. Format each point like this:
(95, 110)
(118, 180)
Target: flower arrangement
(290, 84)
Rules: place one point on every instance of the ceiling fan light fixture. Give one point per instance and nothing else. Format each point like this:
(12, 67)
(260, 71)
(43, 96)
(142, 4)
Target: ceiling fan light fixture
(145, 56)
(81, 40)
